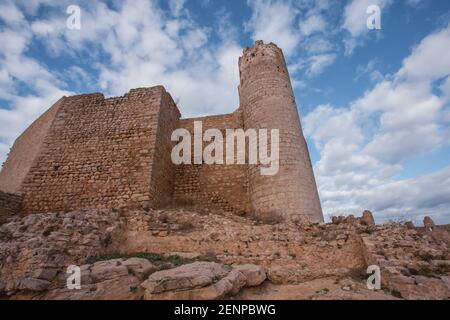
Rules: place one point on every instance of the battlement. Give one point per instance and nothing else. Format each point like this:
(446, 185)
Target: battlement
(88, 151)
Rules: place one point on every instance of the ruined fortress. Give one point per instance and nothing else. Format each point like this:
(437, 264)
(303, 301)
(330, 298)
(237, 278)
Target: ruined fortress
(90, 152)
(98, 176)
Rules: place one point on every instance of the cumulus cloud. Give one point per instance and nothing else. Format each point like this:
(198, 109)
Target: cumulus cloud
(274, 21)
(131, 44)
(312, 24)
(16, 70)
(364, 146)
(355, 21)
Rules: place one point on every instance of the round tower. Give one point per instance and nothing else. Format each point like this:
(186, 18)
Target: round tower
(267, 102)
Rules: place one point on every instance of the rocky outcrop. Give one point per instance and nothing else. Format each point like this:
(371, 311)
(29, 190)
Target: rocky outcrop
(35, 248)
(196, 281)
(202, 254)
(254, 274)
(414, 264)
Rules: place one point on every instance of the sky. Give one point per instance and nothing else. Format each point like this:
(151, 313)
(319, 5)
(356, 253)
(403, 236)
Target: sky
(374, 104)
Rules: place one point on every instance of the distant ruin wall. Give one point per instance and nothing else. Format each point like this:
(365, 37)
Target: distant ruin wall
(10, 205)
(25, 151)
(222, 185)
(98, 153)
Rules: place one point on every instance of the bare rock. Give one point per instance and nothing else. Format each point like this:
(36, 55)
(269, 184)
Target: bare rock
(367, 218)
(45, 274)
(189, 276)
(139, 267)
(282, 275)
(34, 284)
(410, 225)
(231, 284)
(255, 274)
(105, 270)
(428, 223)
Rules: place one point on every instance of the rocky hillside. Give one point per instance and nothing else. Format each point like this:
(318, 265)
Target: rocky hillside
(200, 253)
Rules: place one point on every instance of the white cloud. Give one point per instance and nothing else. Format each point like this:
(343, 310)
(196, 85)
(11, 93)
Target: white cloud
(312, 24)
(176, 6)
(132, 44)
(318, 63)
(355, 21)
(274, 21)
(364, 146)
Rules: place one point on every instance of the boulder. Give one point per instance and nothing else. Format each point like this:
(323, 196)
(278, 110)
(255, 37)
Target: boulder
(34, 284)
(410, 225)
(255, 274)
(105, 270)
(194, 281)
(282, 275)
(367, 218)
(428, 223)
(189, 276)
(139, 267)
(231, 284)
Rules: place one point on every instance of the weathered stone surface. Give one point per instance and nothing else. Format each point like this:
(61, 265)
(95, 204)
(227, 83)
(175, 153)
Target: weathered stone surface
(367, 218)
(140, 267)
(39, 246)
(230, 284)
(34, 284)
(428, 223)
(254, 274)
(105, 270)
(414, 262)
(282, 275)
(195, 275)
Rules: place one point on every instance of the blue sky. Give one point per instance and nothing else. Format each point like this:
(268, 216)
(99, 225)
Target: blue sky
(374, 103)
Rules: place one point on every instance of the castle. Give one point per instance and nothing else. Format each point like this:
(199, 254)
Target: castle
(90, 152)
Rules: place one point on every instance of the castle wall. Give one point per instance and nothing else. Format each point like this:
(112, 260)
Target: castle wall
(98, 153)
(25, 150)
(163, 169)
(91, 152)
(10, 205)
(267, 101)
(222, 185)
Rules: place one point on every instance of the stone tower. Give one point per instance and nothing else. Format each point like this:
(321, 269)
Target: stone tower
(267, 101)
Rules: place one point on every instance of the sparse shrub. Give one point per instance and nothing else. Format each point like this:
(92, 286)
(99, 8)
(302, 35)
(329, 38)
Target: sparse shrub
(396, 294)
(133, 289)
(155, 258)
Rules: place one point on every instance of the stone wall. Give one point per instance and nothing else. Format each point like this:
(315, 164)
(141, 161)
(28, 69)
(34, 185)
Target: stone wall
(10, 205)
(25, 150)
(224, 186)
(163, 169)
(268, 102)
(98, 153)
(91, 152)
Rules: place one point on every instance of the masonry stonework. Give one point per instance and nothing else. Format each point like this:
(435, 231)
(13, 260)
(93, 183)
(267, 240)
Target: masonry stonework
(267, 101)
(10, 205)
(91, 152)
